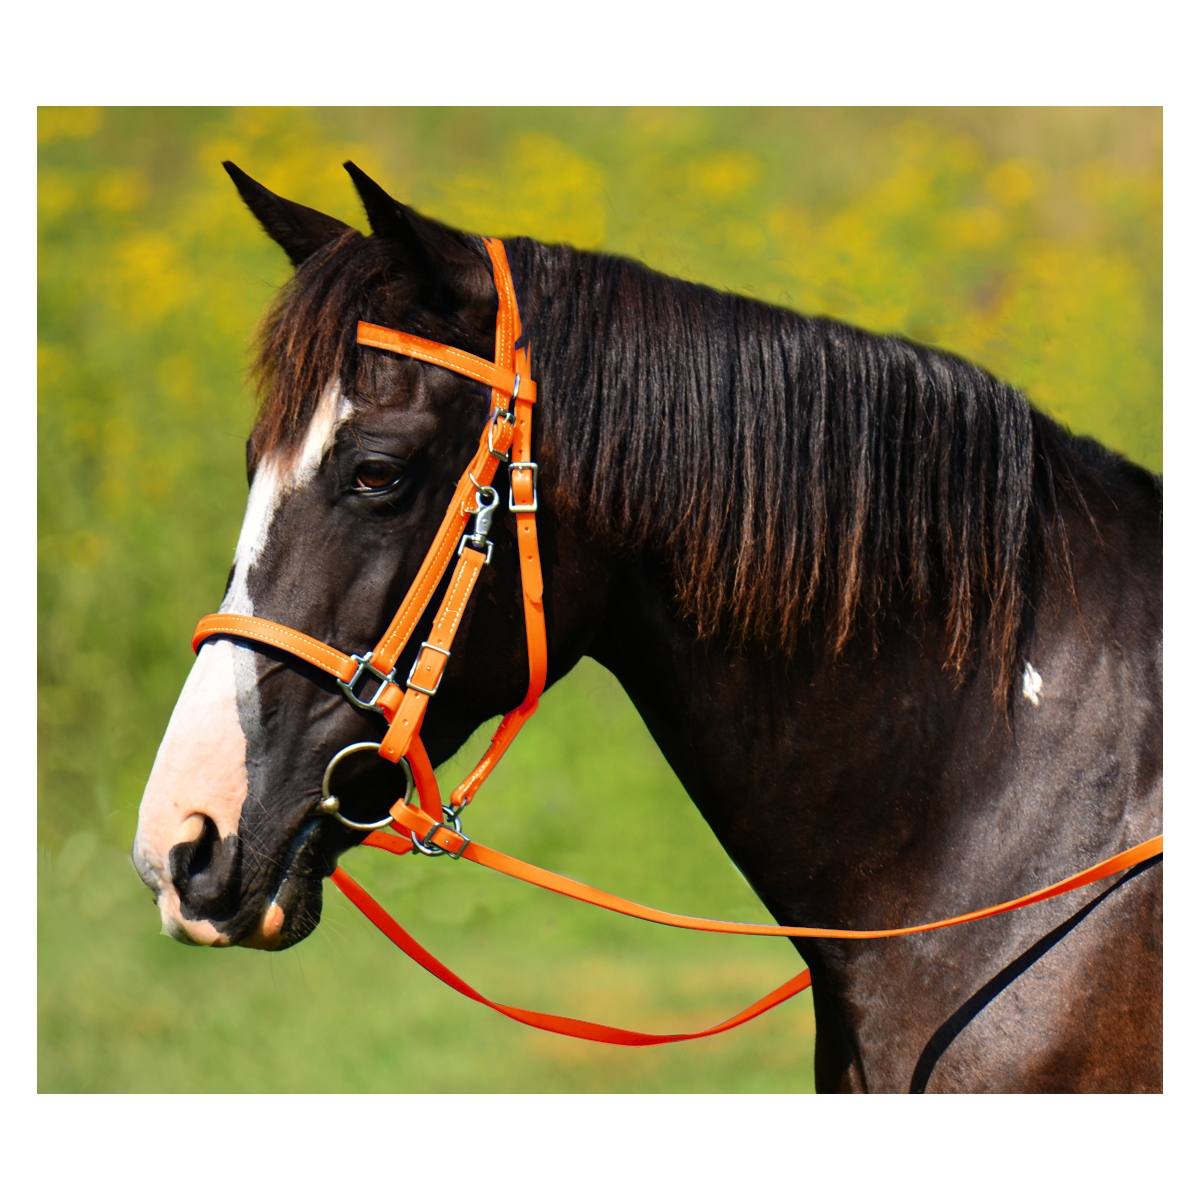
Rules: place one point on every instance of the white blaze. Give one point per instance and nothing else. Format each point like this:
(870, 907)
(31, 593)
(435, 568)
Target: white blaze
(200, 768)
(272, 481)
(199, 771)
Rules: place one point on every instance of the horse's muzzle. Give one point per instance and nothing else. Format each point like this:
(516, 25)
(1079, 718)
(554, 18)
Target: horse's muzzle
(203, 899)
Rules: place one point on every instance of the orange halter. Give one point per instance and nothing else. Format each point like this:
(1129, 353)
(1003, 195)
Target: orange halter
(434, 828)
(508, 431)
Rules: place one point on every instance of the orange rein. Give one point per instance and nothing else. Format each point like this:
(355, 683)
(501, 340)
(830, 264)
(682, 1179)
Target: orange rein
(434, 828)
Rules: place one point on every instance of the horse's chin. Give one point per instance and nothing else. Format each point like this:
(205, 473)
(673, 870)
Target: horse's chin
(294, 909)
(290, 917)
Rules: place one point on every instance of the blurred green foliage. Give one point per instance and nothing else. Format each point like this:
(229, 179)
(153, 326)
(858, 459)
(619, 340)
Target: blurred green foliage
(1028, 240)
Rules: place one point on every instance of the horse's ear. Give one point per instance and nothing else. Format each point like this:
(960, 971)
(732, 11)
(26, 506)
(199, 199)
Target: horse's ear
(441, 259)
(300, 231)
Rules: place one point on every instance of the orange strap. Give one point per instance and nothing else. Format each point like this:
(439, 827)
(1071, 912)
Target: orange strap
(569, 1026)
(425, 782)
(257, 629)
(589, 1031)
(504, 736)
(427, 671)
(523, 485)
(497, 435)
(416, 821)
(472, 366)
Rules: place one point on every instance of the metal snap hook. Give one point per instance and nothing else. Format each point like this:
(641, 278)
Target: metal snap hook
(330, 805)
(487, 500)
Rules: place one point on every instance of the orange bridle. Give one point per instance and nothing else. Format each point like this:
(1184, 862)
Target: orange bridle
(434, 828)
(507, 435)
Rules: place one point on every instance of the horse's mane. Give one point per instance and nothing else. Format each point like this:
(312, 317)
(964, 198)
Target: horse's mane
(788, 471)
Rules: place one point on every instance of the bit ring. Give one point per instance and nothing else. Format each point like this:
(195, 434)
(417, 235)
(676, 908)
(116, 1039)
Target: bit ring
(330, 805)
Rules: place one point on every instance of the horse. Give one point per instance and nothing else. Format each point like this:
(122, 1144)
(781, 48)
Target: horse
(898, 633)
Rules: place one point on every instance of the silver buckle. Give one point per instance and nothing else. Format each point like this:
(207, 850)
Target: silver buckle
(513, 506)
(453, 821)
(364, 664)
(498, 413)
(416, 687)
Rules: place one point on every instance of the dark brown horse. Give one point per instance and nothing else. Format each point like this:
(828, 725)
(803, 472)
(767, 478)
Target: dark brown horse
(899, 634)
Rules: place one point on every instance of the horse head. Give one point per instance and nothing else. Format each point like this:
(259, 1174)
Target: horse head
(352, 463)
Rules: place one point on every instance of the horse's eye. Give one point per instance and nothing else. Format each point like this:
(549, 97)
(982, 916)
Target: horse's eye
(376, 476)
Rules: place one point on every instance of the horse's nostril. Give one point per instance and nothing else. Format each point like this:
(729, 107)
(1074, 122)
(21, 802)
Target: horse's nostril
(193, 828)
(205, 872)
(194, 855)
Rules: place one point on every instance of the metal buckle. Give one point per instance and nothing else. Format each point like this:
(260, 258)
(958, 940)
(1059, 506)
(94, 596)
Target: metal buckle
(416, 687)
(453, 821)
(330, 805)
(522, 466)
(364, 664)
(497, 413)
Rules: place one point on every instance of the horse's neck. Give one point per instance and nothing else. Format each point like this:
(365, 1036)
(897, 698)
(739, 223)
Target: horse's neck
(879, 791)
(813, 776)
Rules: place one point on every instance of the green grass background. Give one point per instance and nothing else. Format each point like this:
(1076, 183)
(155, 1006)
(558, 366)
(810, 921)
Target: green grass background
(1029, 240)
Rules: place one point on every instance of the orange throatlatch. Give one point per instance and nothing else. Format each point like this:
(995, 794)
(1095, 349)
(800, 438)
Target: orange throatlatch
(435, 829)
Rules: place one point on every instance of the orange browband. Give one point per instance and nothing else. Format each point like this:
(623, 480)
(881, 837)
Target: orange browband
(430, 826)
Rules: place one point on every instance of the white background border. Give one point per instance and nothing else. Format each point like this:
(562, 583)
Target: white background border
(616, 53)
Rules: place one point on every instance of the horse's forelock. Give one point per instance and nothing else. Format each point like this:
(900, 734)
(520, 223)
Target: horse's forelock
(308, 338)
(306, 342)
